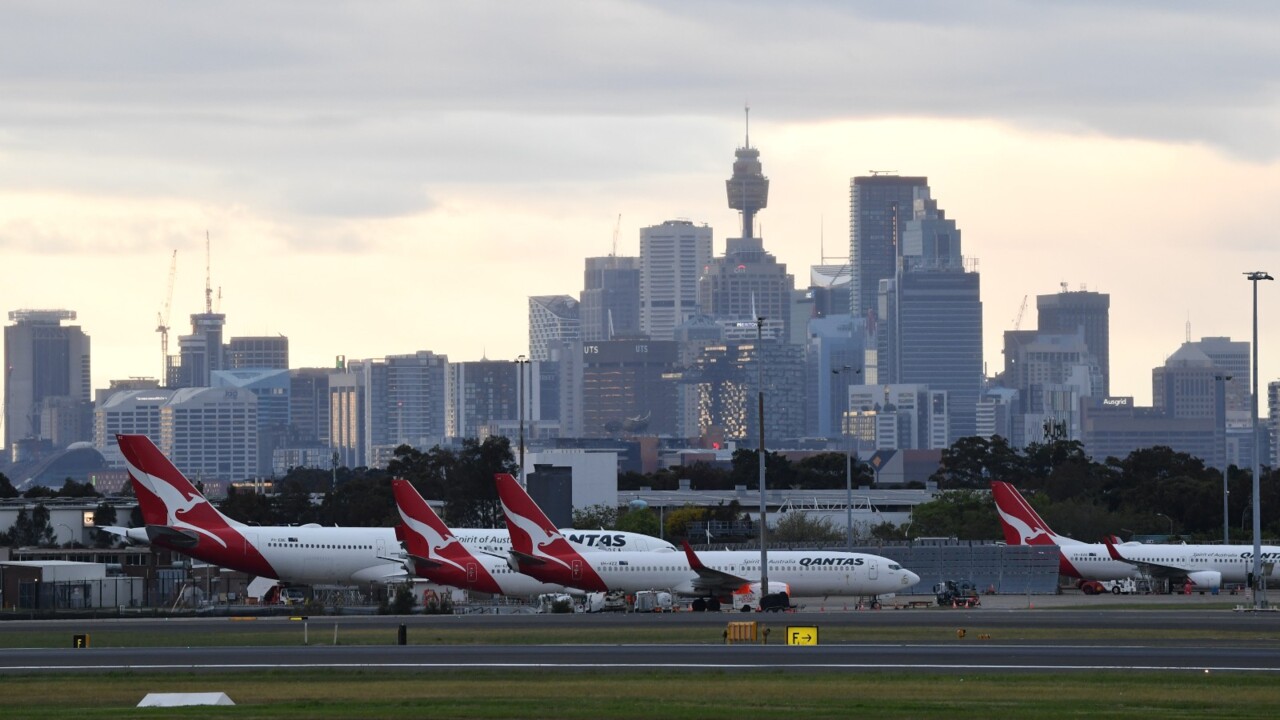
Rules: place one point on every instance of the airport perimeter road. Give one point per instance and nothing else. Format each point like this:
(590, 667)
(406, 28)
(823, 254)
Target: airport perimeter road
(968, 657)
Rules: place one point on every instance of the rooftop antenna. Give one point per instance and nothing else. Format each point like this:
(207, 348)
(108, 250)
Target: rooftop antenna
(747, 111)
(1188, 327)
(208, 288)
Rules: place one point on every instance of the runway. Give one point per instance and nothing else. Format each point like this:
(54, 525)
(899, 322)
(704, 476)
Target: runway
(930, 657)
(1180, 651)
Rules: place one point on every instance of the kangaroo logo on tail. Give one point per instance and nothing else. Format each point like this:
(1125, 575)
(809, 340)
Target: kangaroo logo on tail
(1021, 524)
(180, 499)
(531, 530)
(427, 535)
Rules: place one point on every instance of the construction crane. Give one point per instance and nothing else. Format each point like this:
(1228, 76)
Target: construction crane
(616, 227)
(1017, 322)
(162, 321)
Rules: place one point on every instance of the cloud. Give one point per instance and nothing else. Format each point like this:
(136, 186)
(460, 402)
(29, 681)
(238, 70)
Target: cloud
(338, 110)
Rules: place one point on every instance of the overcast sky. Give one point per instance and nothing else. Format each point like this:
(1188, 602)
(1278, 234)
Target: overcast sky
(381, 178)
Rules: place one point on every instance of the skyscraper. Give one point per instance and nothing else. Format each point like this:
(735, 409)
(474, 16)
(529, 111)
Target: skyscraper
(879, 206)
(673, 256)
(610, 300)
(1068, 310)
(747, 282)
(553, 319)
(46, 367)
(256, 353)
(930, 327)
(482, 393)
(200, 353)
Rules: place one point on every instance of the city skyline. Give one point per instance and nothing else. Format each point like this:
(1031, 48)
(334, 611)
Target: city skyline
(375, 182)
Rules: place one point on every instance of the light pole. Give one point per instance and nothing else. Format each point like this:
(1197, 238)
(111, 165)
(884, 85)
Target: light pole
(848, 453)
(1258, 601)
(764, 525)
(521, 362)
(1166, 517)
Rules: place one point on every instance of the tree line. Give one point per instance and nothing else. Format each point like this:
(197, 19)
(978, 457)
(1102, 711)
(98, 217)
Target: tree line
(1152, 491)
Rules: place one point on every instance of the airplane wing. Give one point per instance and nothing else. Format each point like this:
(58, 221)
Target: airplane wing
(525, 558)
(709, 579)
(1155, 570)
(133, 536)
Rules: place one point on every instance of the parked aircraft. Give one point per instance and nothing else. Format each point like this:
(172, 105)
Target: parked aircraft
(539, 550)
(178, 517)
(438, 555)
(1205, 566)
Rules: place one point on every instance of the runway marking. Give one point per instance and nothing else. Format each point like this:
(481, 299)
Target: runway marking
(950, 667)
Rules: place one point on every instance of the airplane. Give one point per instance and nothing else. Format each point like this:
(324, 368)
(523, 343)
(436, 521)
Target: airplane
(178, 517)
(436, 554)
(1206, 567)
(539, 550)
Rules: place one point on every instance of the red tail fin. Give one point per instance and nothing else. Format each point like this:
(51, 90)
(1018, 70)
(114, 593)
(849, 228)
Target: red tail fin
(425, 534)
(1019, 521)
(171, 499)
(532, 532)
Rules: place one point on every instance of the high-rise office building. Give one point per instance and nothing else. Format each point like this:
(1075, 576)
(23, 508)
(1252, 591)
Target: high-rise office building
(1068, 310)
(928, 324)
(347, 433)
(834, 365)
(747, 282)
(627, 388)
(309, 407)
(726, 379)
(481, 394)
(200, 353)
(211, 433)
(271, 386)
(403, 403)
(553, 319)
(879, 207)
(258, 353)
(673, 256)
(1189, 385)
(1231, 358)
(610, 300)
(46, 373)
(1051, 373)
(127, 412)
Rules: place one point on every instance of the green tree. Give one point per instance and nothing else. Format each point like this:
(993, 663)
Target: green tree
(248, 507)
(797, 527)
(778, 472)
(604, 517)
(962, 514)
(103, 515)
(32, 529)
(678, 520)
(292, 503)
(7, 490)
(73, 489)
(643, 521)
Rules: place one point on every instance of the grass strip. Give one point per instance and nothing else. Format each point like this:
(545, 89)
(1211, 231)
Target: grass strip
(671, 695)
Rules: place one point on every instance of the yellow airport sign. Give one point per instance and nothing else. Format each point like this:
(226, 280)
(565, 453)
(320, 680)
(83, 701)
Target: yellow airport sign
(802, 634)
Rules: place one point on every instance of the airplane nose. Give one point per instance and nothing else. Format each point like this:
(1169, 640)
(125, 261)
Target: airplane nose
(910, 577)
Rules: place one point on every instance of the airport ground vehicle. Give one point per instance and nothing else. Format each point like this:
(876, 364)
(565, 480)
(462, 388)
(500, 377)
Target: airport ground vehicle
(555, 603)
(1123, 586)
(653, 601)
(949, 593)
